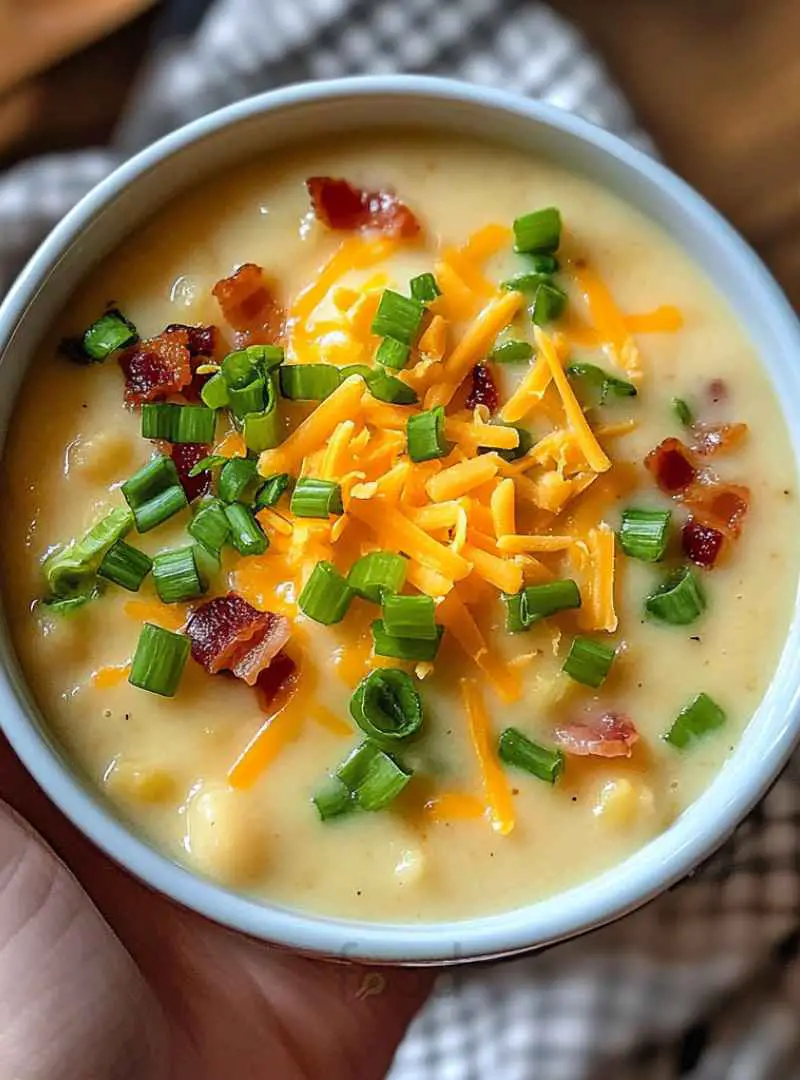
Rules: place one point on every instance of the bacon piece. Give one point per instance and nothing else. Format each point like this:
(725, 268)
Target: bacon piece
(483, 390)
(186, 456)
(272, 679)
(711, 439)
(721, 506)
(341, 206)
(228, 634)
(701, 543)
(156, 367)
(249, 306)
(609, 735)
(202, 342)
(672, 466)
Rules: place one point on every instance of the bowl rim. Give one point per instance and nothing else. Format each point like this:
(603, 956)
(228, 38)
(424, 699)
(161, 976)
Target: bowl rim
(652, 869)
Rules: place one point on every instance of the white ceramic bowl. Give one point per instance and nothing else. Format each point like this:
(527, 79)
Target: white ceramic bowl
(126, 199)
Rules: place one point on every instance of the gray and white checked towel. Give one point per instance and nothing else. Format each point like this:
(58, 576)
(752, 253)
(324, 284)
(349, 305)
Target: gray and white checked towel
(704, 983)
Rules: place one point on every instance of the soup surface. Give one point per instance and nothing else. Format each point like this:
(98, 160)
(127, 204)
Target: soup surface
(221, 775)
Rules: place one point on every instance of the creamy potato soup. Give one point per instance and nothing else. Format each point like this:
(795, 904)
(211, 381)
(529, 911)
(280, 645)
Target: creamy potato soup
(399, 529)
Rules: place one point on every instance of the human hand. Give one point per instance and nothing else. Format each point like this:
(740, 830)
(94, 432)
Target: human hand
(136, 987)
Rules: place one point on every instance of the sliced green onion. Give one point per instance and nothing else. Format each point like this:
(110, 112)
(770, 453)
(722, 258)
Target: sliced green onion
(316, 498)
(72, 571)
(527, 282)
(209, 527)
(682, 412)
(110, 332)
(387, 388)
(251, 398)
(308, 382)
(333, 799)
(600, 383)
(160, 508)
(326, 595)
(679, 600)
(511, 352)
(152, 479)
(194, 424)
(373, 777)
(536, 602)
(214, 393)
(548, 304)
(392, 353)
(404, 648)
(268, 358)
(269, 494)
(159, 660)
(246, 536)
(363, 370)
(644, 534)
(377, 575)
(696, 719)
(424, 288)
(239, 369)
(125, 566)
(426, 437)
(262, 431)
(386, 706)
(65, 608)
(158, 420)
(236, 476)
(176, 576)
(539, 232)
(518, 451)
(410, 617)
(543, 264)
(589, 661)
(213, 461)
(397, 317)
(518, 750)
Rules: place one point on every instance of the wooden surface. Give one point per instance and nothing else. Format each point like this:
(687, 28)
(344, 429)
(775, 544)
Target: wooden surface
(717, 82)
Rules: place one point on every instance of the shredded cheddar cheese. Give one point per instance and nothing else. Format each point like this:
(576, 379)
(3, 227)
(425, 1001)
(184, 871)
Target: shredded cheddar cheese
(495, 782)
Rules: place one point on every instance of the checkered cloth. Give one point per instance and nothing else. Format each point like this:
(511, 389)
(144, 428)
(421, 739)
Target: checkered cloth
(704, 983)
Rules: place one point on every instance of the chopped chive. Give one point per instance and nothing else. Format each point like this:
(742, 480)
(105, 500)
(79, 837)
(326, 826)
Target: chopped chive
(518, 750)
(696, 719)
(378, 574)
(72, 570)
(326, 596)
(539, 232)
(386, 706)
(209, 527)
(160, 508)
(679, 600)
(548, 304)
(511, 352)
(158, 420)
(176, 576)
(392, 353)
(424, 288)
(159, 660)
(333, 799)
(125, 566)
(536, 602)
(110, 332)
(387, 388)
(589, 661)
(308, 382)
(527, 282)
(239, 369)
(270, 492)
(251, 398)
(682, 412)
(194, 424)
(68, 607)
(262, 431)
(235, 478)
(372, 776)
(316, 498)
(599, 383)
(214, 393)
(426, 437)
(397, 317)
(404, 648)
(213, 461)
(246, 534)
(644, 534)
(410, 617)
(267, 358)
(151, 480)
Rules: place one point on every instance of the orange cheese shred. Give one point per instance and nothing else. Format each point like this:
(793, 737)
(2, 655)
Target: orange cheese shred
(502, 573)
(232, 445)
(106, 677)
(397, 533)
(452, 806)
(502, 508)
(529, 393)
(279, 731)
(519, 545)
(462, 477)
(168, 616)
(455, 616)
(495, 783)
(328, 719)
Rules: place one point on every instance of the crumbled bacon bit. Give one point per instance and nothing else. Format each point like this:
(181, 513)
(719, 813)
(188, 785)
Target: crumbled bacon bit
(272, 679)
(711, 439)
(609, 735)
(721, 506)
(228, 634)
(717, 390)
(186, 456)
(249, 306)
(701, 543)
(156, 367)
(339, 205)
(483, 390)
(202, 342)
(672, 466)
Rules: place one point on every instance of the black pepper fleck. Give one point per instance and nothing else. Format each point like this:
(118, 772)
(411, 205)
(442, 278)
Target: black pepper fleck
(695, 637)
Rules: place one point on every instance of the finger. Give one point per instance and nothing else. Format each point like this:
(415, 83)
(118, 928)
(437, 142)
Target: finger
(58, 958)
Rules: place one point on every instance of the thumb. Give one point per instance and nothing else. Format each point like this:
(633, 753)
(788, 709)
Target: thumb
(72, 1003)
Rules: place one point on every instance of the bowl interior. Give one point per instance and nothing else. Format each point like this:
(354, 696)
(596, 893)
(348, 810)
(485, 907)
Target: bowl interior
(144, 184)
